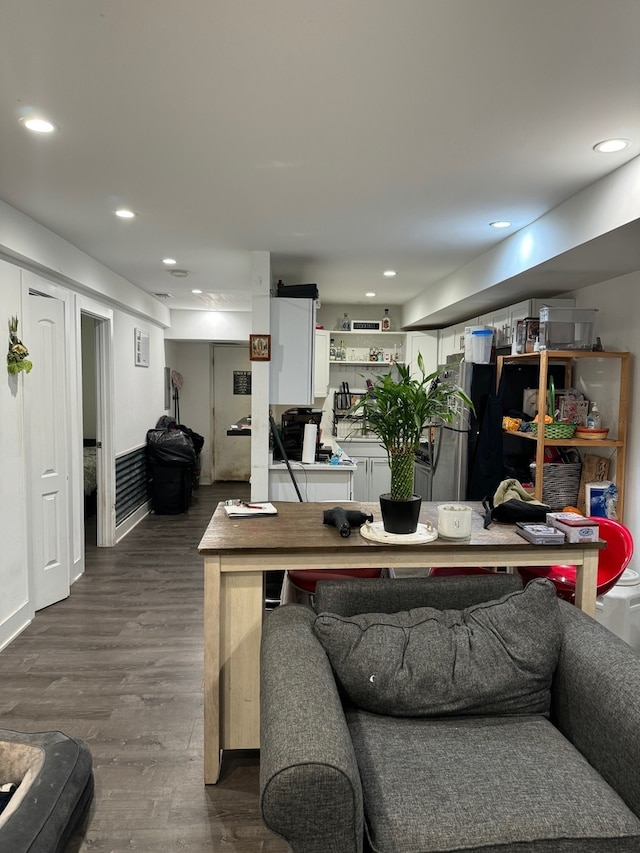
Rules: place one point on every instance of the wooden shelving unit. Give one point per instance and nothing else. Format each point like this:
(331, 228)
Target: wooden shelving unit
(569, 358)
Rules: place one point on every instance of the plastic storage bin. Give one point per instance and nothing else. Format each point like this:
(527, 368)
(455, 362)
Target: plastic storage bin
(468, 341)
(619, 609)
(481, 341)
(566, 328)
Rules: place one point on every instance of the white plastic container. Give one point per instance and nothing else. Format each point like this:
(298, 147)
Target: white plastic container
(619, 609)
(468, 340)
(481, 340)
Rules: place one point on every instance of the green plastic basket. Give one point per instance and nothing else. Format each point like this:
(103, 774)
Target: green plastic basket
(555, 430)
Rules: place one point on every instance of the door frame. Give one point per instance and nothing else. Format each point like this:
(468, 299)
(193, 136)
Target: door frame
(105, 457)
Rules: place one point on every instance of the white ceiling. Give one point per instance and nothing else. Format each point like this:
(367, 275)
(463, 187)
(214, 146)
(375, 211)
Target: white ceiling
(346, 137)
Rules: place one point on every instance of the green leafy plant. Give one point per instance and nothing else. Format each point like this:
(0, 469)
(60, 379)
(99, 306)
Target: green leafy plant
(398, 408)
(17, 356)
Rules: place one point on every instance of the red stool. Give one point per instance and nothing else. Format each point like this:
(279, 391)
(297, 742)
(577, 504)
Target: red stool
(612, 561)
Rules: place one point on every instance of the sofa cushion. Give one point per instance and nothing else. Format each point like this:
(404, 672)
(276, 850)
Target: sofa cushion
(497, 657)
(483, 785)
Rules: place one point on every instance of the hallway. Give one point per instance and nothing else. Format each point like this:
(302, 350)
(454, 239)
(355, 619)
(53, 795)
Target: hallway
(119, 664)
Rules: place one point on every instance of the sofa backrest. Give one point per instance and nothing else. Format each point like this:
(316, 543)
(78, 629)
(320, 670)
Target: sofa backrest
(389, 595)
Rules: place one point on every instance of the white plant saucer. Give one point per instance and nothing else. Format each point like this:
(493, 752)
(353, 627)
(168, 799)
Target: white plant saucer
(376, 533)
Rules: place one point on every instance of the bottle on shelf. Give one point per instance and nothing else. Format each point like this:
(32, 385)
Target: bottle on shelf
(332, 349)
(346, 323)
(386, 321)
(343, 351)
(594, 421)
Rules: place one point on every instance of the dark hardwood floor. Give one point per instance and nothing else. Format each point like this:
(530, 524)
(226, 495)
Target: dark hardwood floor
(119, 664)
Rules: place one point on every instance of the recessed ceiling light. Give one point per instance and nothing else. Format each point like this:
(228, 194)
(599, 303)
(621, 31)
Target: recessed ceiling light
(370, 295)
(196, 291)
(124, 213)
(500, 223)
(389, 273)
(39, 125)
(609, 146)
(169, 261)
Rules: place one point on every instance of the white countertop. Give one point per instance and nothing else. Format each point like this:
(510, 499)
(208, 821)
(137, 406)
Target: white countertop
(314, 466)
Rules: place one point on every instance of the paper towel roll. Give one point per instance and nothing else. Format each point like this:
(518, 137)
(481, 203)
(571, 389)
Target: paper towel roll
(309, 443)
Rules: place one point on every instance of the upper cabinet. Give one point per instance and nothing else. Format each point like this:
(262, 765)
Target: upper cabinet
(426, 345)
(292, 368)
(451, 340)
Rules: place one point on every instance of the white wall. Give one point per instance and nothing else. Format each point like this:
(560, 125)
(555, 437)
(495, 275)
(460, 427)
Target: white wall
(15, 611)
(138, 391)
(618, 304)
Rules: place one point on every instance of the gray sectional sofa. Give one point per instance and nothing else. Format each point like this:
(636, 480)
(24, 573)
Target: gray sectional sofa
(448, 714)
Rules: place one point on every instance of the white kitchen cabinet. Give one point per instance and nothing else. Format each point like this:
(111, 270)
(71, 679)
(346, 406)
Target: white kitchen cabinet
(500, 321)
(321, 361)
(372, 476)
(425, 344)
(451, 340)
(292, 367)
(316, 482)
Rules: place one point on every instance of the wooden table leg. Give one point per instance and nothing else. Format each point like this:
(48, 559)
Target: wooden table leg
(212, 742)
(241, 613)
(586, 582)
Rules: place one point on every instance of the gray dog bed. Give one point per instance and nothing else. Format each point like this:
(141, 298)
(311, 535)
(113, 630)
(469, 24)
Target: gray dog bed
(54, 779)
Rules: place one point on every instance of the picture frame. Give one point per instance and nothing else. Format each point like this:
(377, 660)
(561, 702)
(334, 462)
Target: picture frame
(141, 348)
(259, 347)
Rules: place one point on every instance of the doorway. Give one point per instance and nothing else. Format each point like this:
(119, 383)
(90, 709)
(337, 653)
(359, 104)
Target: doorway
(96, 422)
(231, 404)
(89, 427)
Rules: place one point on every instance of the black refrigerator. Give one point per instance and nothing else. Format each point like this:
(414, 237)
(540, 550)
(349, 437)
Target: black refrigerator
(472, 455)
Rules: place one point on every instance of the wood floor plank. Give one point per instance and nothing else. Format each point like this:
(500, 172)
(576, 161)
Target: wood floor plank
(120, 664)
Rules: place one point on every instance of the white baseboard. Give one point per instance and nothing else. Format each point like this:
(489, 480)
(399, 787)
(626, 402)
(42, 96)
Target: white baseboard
(15, 624)
(132, 521)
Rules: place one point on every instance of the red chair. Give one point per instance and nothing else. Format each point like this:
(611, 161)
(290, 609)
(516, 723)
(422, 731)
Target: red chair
(612, 561)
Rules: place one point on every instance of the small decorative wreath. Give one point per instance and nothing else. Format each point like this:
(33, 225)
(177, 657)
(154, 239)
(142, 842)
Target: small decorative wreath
(17, 356)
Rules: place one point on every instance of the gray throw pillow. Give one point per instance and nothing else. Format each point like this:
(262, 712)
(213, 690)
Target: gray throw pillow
(497, 657)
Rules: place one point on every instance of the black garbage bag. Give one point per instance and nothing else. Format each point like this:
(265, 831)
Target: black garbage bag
(198, 440)
(170, 445)
(166, 422)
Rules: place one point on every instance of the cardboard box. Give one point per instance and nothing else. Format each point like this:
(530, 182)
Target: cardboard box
(576, 528)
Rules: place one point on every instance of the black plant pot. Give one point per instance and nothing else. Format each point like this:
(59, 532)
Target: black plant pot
(400, 516)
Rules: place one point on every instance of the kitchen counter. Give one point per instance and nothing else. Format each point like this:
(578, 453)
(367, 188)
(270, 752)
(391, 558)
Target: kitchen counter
(317, 481)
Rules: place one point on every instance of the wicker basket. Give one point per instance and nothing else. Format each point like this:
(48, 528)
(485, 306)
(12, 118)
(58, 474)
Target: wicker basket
(555, 430)
(560, 483)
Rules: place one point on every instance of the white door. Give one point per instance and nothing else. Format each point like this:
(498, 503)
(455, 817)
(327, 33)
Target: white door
(49, 522)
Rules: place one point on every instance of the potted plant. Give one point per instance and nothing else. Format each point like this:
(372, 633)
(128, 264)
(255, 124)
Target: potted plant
(397, 409)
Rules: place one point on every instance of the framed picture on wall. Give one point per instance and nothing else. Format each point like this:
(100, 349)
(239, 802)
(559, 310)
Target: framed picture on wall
(141, 348)
(259, 347)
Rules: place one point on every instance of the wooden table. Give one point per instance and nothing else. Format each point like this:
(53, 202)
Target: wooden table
(237, 552)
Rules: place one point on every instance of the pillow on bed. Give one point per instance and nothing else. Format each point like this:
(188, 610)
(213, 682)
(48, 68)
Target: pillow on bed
(497, 657)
